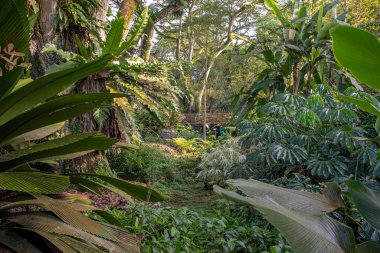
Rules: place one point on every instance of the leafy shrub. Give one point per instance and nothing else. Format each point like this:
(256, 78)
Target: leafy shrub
(193, 146)
(143, 164)
(216, 164)
(184, 230)
(187, 132)
(327, 137)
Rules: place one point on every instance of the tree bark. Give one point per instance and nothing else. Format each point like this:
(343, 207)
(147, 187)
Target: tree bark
(127, 10)
(219, 51)
(43, 33)
(206, 75)
(295, 77)
(147, 42)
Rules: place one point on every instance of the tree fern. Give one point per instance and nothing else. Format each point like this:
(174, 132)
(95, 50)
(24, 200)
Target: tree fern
(101, 115)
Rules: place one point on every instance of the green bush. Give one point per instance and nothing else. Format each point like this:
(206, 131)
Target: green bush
(321, 136)
(217, 163)
(187, 132)
(144, 164)
(193, 146)
(185, 230)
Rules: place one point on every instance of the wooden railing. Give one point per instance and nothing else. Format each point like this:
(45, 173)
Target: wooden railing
(211, 118)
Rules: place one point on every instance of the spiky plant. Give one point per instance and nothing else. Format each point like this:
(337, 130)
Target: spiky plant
(35, 214)
(145, 85)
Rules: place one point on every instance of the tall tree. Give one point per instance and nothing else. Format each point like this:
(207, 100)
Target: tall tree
(169, 8)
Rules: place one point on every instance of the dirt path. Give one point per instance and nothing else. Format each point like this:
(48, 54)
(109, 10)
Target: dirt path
(194, 196)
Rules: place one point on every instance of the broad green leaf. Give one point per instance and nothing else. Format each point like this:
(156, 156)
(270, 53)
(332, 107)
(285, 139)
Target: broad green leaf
(366, 201)
(86, 184)
(320, 18)
(324, 32)
(38, 133)
(30, 181)
(97, 187)
(135, 190)
(326, 9)
(134, 34)
(269, 56)
(304, 231)
(14, 29)
(301, 201)
(82, 49)
(45, 87)
(21, 83)
(377, 125)
(56, 149)
(359, 51)
(32, 19)
(362, 104)
(302, 13)
(276, 10)
(54, 111)
(108, 217)
(114, 36)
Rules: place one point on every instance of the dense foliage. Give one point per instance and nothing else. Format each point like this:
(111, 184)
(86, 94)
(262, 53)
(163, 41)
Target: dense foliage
(320, 134)
(164, 229)
(144, 164)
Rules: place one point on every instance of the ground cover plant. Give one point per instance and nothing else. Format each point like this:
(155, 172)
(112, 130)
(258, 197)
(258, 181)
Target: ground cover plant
(164, 229)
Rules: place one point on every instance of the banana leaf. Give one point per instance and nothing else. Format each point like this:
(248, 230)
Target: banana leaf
(300, 217)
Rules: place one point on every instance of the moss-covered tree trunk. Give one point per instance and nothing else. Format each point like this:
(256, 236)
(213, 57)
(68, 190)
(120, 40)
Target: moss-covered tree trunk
(43, 33)
(92, 84)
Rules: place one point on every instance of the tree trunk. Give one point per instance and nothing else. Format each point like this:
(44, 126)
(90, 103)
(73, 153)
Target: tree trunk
(127, 10)
(295, 77)
(205, 114)
(93, 84)
(101, 15)
(43, 33)
(147, 43)
(89, 163)
(202, 92)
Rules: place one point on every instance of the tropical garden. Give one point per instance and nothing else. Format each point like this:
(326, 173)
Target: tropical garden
(190, 126)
